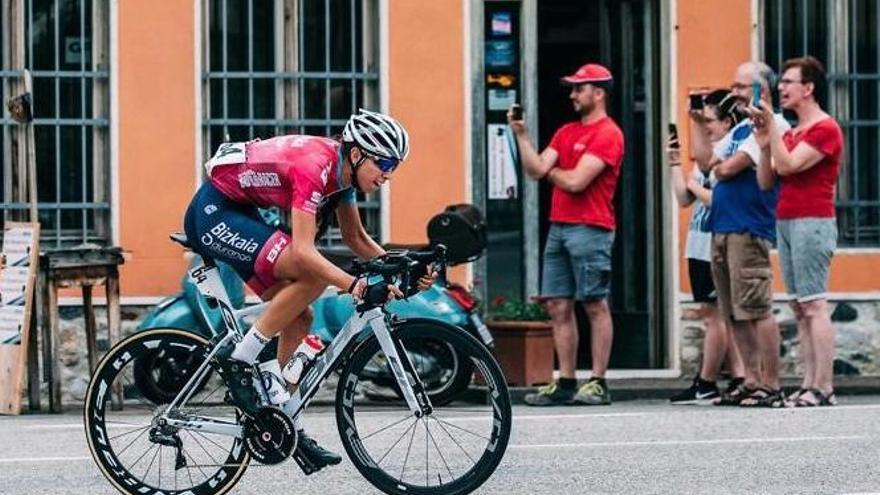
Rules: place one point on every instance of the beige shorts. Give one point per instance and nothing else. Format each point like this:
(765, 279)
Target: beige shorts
(743, 276)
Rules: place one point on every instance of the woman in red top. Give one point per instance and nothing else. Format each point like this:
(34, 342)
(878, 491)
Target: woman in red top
(806, 159)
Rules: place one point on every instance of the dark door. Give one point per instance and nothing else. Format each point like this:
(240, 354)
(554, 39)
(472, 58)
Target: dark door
(622, 36)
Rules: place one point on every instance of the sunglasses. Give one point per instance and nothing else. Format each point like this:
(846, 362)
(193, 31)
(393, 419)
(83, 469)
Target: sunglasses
(386, 165)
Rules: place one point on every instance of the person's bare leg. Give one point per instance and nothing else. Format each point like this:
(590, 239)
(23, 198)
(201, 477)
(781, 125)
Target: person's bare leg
(565, 335)
(747, 341)
(734, 357)
(601, 335)
(805, 340)
(822, 334)
(768, 348)
(291, 337)
(714, 344)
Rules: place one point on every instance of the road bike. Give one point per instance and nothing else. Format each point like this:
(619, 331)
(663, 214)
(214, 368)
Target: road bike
(199, 444)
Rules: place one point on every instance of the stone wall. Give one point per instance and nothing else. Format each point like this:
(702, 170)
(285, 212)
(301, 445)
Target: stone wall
(72, 346)
(857, 340)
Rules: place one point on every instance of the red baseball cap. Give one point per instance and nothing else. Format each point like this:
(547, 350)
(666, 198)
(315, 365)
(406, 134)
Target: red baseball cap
(589, 73)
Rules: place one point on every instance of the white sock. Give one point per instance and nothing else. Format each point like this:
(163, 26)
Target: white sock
(298, 423)
(250, 346)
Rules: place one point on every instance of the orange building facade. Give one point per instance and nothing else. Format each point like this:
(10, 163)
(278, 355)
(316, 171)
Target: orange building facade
(434, 60)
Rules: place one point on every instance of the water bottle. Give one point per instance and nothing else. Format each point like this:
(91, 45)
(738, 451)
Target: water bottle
(310, 347)
(273, 383)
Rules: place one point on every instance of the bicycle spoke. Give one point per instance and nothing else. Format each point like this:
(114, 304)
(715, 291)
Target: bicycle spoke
(128, 433)
(406, 459)
(186, 452)
(202, 447)
(132, 443)
(395, 443)
(204, 437)
(141, 457)
(437, 447)
(426, 452)
(462, 429)
(150, 466)
(454, 440)
(408, 416)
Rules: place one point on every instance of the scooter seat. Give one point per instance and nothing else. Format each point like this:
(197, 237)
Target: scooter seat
(180, 238)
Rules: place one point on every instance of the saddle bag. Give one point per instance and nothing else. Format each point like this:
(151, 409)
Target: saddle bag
(462, 229)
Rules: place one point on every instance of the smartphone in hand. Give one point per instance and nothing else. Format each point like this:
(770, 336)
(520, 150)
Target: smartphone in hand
(673, 136)
(756, 93)
(517, 111)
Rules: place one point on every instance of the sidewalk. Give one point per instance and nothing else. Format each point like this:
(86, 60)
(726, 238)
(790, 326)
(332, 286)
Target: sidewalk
(627, 389)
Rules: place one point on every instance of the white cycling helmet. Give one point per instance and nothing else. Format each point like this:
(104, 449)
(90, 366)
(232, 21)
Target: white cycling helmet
(377, 135)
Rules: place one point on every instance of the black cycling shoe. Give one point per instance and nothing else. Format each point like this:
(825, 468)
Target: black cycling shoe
(239, 379)
(310, 456)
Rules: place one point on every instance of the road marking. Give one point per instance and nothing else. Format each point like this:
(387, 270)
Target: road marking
(42, 459)
(688, 442)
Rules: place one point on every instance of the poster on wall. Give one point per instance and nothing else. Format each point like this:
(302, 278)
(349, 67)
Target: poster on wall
(18, 266)
(501, 99)
(503, 183)
(501, 24)
(500, 54)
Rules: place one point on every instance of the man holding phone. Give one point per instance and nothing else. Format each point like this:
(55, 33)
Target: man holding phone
(582, 162)
(743, 224)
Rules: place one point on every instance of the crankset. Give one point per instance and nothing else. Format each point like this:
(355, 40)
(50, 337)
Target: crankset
(269, 436)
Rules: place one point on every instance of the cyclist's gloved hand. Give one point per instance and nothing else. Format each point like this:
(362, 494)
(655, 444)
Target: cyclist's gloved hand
(426, 280)
(375, 294)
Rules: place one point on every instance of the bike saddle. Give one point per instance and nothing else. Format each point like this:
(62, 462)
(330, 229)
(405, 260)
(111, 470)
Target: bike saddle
(180, 238)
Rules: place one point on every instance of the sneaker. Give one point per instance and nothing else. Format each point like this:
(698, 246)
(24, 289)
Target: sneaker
(593, 393)
(239, 379)
(700, 392)
(550, 395)
(310, 456)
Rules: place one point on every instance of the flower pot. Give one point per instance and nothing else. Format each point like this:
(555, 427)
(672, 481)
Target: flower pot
(524, 350)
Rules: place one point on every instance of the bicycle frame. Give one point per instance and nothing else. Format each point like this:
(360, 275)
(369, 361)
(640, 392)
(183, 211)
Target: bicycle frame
(207, 279)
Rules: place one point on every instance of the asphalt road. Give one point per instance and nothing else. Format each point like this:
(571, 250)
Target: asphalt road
(630, 447)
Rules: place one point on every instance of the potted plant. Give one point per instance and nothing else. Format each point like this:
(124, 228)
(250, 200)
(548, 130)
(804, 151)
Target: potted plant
(523, 341)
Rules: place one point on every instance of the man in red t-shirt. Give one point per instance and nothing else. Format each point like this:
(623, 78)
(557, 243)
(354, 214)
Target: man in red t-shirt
(582, 162)
(806, 160)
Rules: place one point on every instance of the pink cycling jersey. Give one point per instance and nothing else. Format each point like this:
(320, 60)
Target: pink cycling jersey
(287, 171)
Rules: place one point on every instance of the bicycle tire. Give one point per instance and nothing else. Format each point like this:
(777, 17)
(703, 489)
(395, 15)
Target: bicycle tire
(97, 404)
(499, 420)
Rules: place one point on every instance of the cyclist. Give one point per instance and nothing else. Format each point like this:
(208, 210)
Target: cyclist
(301, 173)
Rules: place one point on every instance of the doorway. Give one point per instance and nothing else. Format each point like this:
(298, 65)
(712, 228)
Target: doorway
(623, 35)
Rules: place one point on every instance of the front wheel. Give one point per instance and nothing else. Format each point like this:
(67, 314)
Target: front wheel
(128, 440)
(452, 450)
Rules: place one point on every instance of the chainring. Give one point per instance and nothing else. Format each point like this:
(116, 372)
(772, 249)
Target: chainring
(269, 436)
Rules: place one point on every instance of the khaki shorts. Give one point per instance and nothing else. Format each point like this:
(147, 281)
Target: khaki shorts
(743, 276)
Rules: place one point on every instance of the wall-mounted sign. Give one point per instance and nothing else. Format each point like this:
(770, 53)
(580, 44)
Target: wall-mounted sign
(500, 54)
(502, 178)
(501, 24)
(501, 99)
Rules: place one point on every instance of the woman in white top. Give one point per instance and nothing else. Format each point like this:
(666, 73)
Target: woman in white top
(720, 115)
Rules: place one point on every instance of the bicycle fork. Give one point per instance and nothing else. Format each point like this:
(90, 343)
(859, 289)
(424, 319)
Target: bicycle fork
(404, 372)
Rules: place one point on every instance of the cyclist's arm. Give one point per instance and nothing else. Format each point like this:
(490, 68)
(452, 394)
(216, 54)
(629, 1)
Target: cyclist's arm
(307, 257)
(353, 233)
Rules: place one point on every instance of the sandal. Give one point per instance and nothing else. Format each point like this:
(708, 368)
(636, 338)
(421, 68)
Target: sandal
(764, 397)
(793, 397)
(820, 399)
(817, 398)
(735, 396)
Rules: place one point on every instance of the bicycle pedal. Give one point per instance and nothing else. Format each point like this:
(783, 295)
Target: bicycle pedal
(306, 465)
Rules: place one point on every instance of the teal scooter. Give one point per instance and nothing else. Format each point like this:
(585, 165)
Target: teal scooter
(159, 377)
